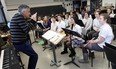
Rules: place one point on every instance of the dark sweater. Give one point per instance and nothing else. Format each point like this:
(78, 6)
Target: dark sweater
(19, 28)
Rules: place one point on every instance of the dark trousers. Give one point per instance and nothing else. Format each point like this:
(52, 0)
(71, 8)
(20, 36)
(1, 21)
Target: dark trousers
(92, 34)
(95, 47)
(67, 45)
(28, 50)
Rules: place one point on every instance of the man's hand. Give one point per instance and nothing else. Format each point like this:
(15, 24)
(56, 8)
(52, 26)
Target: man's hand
(91, 41)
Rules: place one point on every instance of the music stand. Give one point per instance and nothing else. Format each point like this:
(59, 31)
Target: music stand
(80, 23)
(54, 42)
(75, 34)
(42, 27)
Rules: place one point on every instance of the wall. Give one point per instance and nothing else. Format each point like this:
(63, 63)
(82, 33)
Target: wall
(5, 9)
(11, 13)
(108, 2)
(13, 4)
(68, 6)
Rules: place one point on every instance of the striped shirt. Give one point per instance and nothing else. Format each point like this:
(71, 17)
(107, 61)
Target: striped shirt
(19, 28)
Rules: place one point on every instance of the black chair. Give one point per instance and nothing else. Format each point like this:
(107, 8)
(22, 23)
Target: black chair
(113, 25)
(93, 58)
(110, 51)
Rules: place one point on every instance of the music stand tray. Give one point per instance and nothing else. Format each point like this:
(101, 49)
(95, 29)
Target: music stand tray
(75, 34)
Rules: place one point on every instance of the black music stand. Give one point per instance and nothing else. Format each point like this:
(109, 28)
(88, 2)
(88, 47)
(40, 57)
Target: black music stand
(42, 27)
(75, 34)
(113, 24)
(80, 23)
(110, 51)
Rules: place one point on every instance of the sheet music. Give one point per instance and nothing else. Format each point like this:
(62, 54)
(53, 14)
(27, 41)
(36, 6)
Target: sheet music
(53, 37)
(48, 35)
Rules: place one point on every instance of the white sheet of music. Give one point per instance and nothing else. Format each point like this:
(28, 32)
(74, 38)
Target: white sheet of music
(49, 35)
(1, 59)
(53, 37)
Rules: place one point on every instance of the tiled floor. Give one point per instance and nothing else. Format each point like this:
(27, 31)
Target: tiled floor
(46, 56)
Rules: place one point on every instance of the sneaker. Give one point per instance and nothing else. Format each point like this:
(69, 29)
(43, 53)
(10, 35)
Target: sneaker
(83, 61)
(64, 52)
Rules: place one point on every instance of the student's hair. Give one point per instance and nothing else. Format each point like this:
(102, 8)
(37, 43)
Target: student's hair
(75, 18)
(97, 12)
(22, 8)
(107, 17)
(53, 17)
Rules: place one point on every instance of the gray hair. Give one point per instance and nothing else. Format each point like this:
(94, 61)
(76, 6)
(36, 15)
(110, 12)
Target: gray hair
(22, 8)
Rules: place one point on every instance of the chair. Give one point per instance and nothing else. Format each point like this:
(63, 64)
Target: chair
(110, 51)
(93, 58)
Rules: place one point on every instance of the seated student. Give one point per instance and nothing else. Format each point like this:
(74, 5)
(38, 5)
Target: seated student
(105, 35)
(75, 27)
(54, 23)
(87, 22)
(66, 20)
(96, 27)
(60, 25)
(79, 15)
(46, 23)
(110, 12)
(39, 31)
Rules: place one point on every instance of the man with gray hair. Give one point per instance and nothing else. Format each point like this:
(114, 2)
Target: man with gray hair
(21, 24)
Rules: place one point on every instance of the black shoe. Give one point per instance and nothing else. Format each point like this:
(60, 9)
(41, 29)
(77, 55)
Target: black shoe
(72, 55)
(64, 52)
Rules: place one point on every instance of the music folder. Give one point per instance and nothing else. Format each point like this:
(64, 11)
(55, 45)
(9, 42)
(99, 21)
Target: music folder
(72, 32)
(41, 25)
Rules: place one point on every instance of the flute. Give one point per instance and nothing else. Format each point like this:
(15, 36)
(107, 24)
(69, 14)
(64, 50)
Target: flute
(88, 42)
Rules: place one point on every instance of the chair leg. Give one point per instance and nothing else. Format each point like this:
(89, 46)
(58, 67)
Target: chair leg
(91, 62)
(103, 54)
(108, 64)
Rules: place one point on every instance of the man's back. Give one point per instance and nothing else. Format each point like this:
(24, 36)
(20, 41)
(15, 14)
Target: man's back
(19, 29)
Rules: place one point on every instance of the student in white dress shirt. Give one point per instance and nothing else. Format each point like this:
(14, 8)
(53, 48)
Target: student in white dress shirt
(75, 27)
(54, 23)
(66, 20)
(96, 27)
(79, 15)
(105, 35)
(60, 25)
(87, 22)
